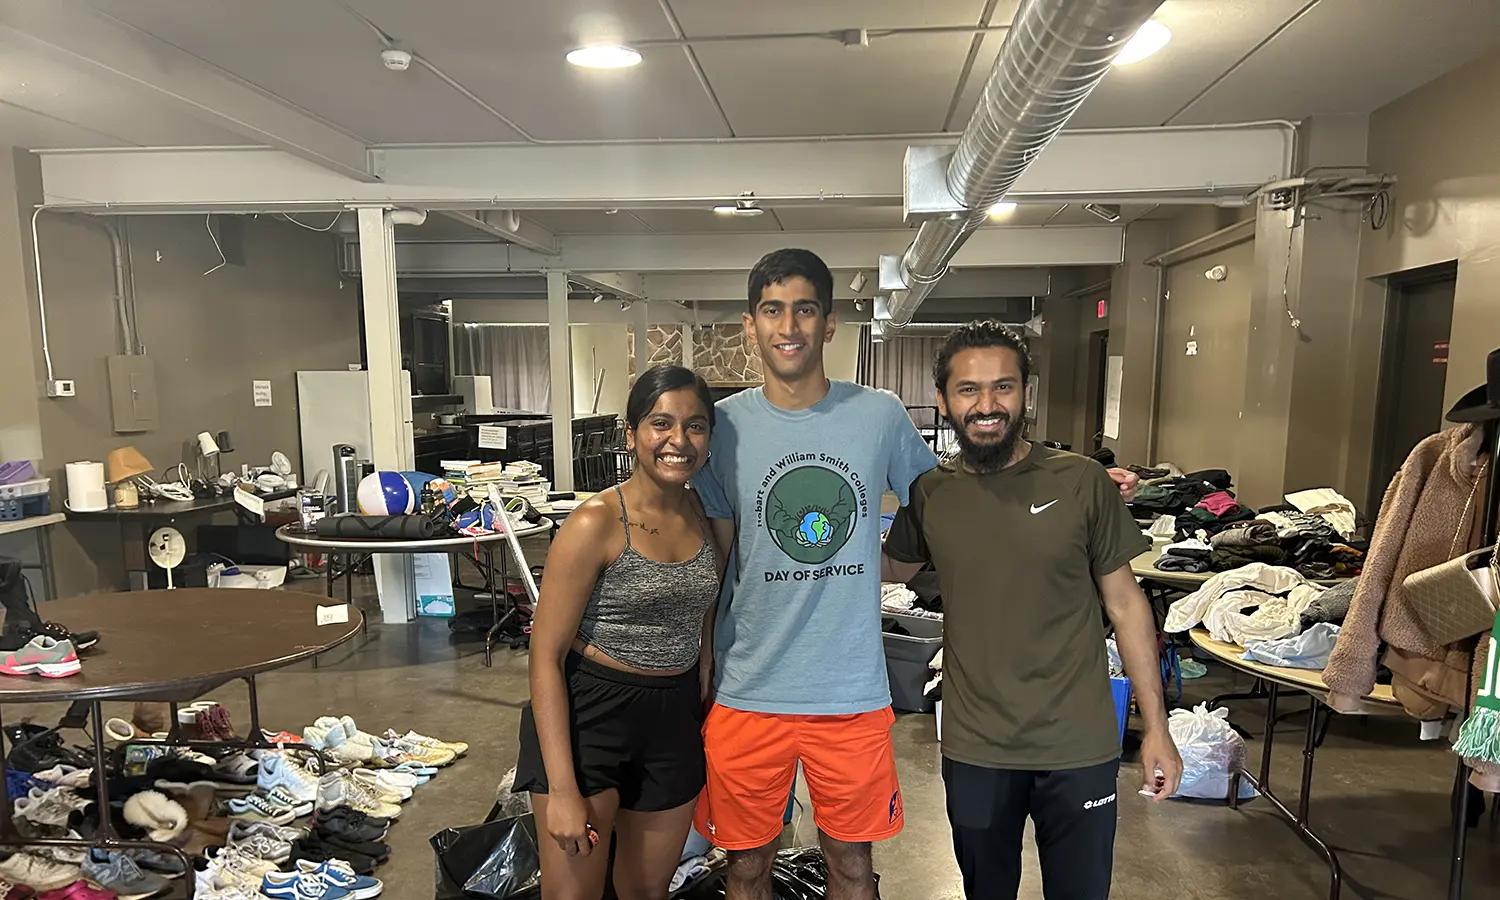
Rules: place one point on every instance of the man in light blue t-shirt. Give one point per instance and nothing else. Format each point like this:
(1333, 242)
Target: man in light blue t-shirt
(793, 484)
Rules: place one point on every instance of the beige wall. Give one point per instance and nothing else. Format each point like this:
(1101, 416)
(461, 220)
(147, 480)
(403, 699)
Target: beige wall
(1198, 424)
(20, 422)
(602, 347)
(210, 336)
(1443, 144)
(841, 355)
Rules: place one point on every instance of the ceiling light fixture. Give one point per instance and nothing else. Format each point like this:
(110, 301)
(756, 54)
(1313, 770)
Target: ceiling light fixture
(1004, 207)
(744, 206)
(624, 305)
(598, 297)
(1109, 212)
(1151, 37)
(604, 56)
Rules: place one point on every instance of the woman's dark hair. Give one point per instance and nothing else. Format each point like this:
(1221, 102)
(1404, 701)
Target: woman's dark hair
(659, 380)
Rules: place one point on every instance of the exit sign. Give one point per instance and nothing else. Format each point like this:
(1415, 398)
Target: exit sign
(1103, 310)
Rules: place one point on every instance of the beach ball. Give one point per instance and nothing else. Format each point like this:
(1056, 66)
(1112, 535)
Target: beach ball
(386, 494)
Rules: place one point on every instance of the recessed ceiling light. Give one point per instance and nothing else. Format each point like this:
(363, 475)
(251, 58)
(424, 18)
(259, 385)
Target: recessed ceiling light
(604, 56)
(1002, 208)
(1151, 37)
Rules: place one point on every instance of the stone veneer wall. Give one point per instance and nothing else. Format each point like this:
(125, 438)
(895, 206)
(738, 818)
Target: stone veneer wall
(721, 354)
(663, 345)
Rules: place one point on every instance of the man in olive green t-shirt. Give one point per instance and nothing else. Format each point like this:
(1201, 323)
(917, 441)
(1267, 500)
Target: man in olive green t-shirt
(1028, 543)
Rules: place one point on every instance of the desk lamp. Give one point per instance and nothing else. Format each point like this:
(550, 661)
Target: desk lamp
(125, 464)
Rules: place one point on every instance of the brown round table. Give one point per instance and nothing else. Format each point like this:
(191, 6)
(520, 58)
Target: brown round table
(177, 645)
(173, 646)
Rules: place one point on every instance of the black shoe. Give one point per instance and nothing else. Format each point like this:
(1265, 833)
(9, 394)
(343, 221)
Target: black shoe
(81, 640)
(350, 824)
(314, 850)
(36, 749)
(175, 768)
(375, 850)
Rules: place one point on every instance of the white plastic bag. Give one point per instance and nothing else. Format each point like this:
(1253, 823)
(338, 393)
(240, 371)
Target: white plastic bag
(1210, 750)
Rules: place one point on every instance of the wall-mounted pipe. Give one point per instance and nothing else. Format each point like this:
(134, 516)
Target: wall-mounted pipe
(1055, 54)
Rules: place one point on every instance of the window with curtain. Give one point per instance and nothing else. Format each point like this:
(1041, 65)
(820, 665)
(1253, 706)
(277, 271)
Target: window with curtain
(901, 365)
(514, 356)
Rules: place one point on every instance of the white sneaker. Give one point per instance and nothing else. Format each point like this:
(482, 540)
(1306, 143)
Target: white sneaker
(280, 770)
(384, 785)
(38, 873)
(458, 747)
(50, 807)
(341, 789)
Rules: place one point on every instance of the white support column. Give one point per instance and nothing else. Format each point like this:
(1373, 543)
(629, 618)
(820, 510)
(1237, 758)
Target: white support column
(390, 416)
(642, 320)
(558, 348)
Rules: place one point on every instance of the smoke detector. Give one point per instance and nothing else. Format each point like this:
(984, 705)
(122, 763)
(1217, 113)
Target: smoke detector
(396, 59)
(1217, 273)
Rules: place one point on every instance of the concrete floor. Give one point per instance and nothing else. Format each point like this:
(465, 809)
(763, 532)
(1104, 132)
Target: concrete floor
(1381, 796)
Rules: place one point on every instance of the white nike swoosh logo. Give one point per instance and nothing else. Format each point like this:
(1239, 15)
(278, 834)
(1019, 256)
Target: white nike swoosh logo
(1036, 509)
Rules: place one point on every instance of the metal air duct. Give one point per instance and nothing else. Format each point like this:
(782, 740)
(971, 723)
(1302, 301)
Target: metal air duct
(1054, 55)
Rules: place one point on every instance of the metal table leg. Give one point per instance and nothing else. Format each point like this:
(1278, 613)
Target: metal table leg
(105, 838)
(497, 620)
(328, 559)
(1299, 819)
(44, 556)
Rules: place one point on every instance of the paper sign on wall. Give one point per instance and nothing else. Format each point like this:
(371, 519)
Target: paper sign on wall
(492, 437)
(1192, 348)
(434, 584)
(262, 391)
(1114, 378)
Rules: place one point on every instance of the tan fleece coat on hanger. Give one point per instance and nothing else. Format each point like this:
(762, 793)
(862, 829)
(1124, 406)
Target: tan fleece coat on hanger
(1430, 514)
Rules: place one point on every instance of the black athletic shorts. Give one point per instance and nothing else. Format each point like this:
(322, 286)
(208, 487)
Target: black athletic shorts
(639, 734)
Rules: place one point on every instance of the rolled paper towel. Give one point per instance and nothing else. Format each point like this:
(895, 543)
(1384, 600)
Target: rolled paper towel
(86, 487)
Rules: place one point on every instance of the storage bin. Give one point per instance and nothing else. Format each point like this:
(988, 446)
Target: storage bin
(917, 626)
(1120, 688)
(907, 661)
(25, 488)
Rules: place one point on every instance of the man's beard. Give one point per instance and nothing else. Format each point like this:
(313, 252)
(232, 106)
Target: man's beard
(986, 456)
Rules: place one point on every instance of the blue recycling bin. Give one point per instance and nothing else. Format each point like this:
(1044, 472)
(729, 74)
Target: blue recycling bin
(1120, 688)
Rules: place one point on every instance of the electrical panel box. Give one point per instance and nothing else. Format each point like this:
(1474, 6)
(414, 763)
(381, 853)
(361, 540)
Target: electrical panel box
(132, 393)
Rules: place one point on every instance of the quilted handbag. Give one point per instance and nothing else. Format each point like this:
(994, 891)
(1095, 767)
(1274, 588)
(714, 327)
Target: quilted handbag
(1457, 599)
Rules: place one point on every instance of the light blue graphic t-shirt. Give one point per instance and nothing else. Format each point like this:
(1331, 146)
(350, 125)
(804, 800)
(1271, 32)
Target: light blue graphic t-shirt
(798, 628)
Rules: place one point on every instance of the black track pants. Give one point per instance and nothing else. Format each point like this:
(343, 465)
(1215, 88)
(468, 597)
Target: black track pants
(1074, 812)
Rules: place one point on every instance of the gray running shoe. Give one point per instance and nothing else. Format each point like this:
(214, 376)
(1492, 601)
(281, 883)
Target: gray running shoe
(117, 872)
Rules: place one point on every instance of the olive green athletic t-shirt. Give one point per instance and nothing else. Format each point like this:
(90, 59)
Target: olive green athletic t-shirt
(1025, 672)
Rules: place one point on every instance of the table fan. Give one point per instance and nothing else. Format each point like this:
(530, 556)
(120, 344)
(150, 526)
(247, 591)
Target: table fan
(167, 549)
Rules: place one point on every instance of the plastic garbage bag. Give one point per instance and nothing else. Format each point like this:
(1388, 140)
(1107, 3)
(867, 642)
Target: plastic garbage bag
(797, 874)
(1210, 750)
(494, 861)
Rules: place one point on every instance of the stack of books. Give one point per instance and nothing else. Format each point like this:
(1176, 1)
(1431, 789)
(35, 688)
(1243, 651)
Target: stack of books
(515, 479)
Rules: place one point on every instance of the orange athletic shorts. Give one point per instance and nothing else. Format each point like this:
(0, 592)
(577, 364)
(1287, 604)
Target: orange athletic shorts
(848, 761)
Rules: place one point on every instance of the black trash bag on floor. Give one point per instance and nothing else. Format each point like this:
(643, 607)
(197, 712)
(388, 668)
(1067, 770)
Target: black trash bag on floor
(800, 873)
(494, 861)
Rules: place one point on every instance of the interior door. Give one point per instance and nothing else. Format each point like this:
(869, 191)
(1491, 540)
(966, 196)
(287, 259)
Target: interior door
(1414, 368)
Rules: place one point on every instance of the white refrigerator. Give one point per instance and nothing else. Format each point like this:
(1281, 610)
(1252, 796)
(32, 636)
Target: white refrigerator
(334, 408)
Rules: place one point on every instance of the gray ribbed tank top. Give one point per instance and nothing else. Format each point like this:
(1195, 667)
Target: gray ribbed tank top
(649, 614)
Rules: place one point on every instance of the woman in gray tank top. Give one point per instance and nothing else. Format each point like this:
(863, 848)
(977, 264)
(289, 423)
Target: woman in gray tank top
(611, 742)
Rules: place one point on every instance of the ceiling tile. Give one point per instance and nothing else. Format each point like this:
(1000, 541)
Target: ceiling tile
(587, 221)
(320, 58)
(1206, 39)
(809, 86)
(1351, 56)
(109, 111)
(512, 55)
(834, 217)
(22, 127)
(716, 17)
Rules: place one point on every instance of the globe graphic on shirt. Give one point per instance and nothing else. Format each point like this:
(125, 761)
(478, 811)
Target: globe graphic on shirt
(815, 530)
(811, 512)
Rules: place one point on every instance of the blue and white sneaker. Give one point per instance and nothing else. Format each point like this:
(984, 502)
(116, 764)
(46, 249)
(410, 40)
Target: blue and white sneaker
(300, 886)
(340, 874)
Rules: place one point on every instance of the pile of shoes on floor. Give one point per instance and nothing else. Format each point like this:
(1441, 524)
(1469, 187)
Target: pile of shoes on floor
(256, 823)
